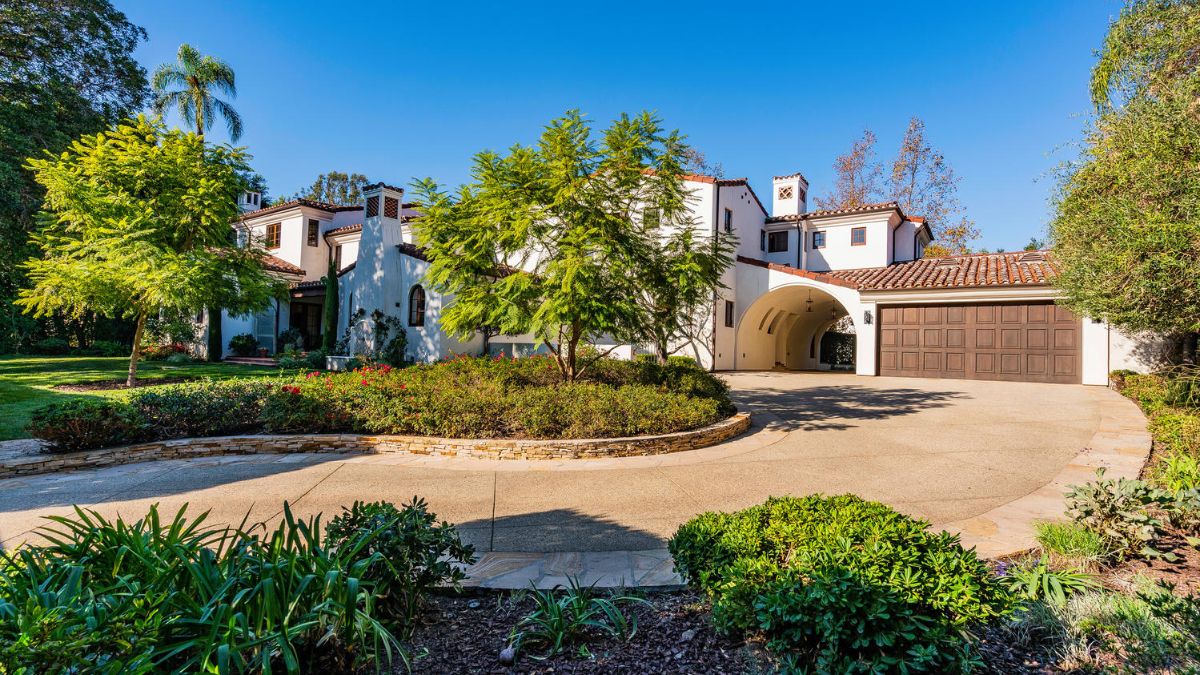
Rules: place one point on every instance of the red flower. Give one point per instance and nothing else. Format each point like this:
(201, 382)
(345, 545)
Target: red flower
(364, 382)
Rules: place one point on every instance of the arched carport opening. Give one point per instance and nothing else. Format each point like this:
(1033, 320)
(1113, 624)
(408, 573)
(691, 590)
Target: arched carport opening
(783, 328)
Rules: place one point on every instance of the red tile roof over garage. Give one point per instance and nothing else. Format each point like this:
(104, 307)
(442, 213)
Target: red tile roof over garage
(1019, 268)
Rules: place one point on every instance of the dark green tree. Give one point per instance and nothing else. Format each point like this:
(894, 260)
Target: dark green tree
(66, 69)
(1127, 226)
(337, 188)
(330, 315)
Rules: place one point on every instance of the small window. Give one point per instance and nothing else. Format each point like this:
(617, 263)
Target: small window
(314, 231)
(818, 239)
(372, 206)
(337, 257)
(416, 306)
(762, 240)
(256, 199)
(273, 235)
(858, 236)
(729, 314)
(391, 207)
(729, 220)
(777, 242)
(651, 217)
(785, 192)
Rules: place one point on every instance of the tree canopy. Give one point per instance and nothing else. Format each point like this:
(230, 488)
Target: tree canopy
(569, 239)
(1127, 225)
(335, 187)
(136, 223)
(190, 86)
(66, 69)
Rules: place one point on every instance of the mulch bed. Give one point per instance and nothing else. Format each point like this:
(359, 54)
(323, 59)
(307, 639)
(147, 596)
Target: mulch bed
(108, 385)
(674, 635)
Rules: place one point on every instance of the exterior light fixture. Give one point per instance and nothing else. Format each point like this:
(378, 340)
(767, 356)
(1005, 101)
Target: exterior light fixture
(808, 303)
(867, 317)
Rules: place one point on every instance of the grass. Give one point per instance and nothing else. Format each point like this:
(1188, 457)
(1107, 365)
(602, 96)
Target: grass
(1073, 543)
(26, 381)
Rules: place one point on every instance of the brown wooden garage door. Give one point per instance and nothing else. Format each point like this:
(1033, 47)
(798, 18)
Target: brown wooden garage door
(1036, 342)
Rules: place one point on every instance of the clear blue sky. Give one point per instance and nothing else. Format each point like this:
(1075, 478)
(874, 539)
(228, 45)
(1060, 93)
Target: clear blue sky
(394, 90)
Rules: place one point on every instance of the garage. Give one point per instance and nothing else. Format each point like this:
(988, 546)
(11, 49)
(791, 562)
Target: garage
(1027, 342)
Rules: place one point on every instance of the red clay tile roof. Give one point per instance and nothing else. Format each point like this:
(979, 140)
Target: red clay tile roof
(311, 203)
(347, 268)
(865, 208)
(315, 283)
(823, 277)
(793, 175)
(279, 265)
(345, 229)
(413, 251)
(1019, 268)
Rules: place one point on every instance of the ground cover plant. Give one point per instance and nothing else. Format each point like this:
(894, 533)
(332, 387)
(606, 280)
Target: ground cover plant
(178, 595)
(840, 584)
(460, 397)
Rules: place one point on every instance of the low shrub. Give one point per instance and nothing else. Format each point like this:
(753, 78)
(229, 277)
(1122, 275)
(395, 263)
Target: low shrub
(1039, 581)
(205, 408)
(177, 595)
(1176, 430)
(410, 553)
(566, 617)
(86, 424)
(163, 352)
(51, 346)
(292, 361)
(108, 348)
(1176, 471)
(842, 583)
(243, 345)
(315, 359)
(1122, 511)
(1148, 390)
(178, 359)
(290, 340)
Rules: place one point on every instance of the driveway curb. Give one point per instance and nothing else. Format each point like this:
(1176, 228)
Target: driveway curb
(1121, 446)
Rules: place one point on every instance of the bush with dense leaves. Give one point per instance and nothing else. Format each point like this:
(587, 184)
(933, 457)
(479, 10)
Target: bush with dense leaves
(840, 584)
(51, 346)
(1123, 511)
(460, 398)
(83, 424)
(107, 348)
(244, 344)
(181, 596)
(412, 553)
(206, 408)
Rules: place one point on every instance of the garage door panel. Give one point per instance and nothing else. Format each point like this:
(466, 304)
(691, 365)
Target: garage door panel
(1037, 342)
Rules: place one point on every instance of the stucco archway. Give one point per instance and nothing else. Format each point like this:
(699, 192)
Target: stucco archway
(784, 327)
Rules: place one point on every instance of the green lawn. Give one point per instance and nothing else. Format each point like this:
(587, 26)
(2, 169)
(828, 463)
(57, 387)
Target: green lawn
(26, 381)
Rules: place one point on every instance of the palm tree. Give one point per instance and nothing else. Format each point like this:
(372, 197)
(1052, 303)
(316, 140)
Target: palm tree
(188, 86)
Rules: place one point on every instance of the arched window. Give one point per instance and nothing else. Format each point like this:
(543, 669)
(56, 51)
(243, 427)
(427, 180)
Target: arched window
(416, 306)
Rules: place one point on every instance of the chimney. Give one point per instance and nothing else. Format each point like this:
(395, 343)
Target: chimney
(789, 195)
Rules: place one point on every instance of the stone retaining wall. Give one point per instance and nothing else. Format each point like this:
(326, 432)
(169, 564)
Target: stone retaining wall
(486, 448)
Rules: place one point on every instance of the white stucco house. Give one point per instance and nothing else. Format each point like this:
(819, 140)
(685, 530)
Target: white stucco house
(797, 274)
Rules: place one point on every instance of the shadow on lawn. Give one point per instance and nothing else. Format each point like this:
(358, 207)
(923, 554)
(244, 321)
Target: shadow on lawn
(837, 407)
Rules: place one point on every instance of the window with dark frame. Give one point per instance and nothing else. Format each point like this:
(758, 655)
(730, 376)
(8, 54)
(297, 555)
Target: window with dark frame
(858, 236)
(273, 235)
(729, 314)
(314, 231)
(777, 242)
(818, 239)
(762, 240)
(337, 258)
(416, 306)
(729, 220)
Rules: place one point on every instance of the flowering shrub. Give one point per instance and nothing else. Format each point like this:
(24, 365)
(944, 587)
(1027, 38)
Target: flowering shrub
(462, 397)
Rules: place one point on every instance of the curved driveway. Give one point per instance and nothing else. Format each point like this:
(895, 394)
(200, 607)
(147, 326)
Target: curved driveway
(941, 449)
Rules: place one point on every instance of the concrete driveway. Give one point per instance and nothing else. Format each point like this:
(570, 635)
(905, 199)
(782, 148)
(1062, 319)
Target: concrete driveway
(941, 449)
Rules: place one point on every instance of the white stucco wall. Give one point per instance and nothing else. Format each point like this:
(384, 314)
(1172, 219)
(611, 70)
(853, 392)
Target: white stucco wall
(839, 254)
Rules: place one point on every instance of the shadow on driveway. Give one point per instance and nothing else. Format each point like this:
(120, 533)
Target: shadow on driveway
(556, 530)
(837, 407)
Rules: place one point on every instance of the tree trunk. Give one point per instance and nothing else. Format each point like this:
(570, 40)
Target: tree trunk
(663, 351)
(1188, 355)
(137, 345)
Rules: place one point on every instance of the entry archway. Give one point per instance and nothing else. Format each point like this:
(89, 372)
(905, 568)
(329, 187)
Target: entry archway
(784, 327)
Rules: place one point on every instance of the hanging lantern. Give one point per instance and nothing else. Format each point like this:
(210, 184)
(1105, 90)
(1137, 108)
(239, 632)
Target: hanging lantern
(808, 303)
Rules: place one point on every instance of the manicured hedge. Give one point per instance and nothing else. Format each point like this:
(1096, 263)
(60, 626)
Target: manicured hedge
(460, 398)
(841, 584)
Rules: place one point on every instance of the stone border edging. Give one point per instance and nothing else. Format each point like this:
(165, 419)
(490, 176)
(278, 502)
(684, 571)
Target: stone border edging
(485, 448)
(1121, 446)
(506, 570)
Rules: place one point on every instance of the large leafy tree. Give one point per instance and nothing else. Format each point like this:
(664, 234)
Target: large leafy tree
(857, 176)
(66, 69)
(1127, 225)
(556, 239)
(136, 224)
(336, 187)
(677, 280)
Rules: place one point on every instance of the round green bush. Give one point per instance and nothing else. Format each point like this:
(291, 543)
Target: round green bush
(243, 345)
(86, 424)
(840, 584)
(51, 346)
